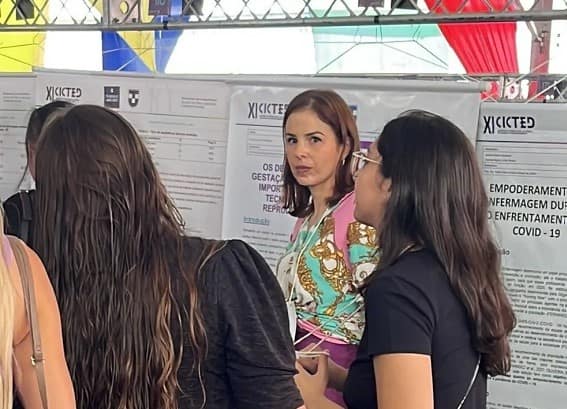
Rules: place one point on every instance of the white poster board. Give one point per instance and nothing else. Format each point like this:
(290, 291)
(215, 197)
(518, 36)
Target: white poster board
(522, 149)
(183, 123)
(208, 161)
(16, 103)
(255, 149)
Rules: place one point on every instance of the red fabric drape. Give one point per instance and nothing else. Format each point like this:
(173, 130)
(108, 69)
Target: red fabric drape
(482, 47)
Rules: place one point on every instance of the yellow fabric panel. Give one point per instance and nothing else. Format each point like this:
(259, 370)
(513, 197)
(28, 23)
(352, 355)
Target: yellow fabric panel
(8, 15)
(21, 51)
(142, 42)
(98, 4)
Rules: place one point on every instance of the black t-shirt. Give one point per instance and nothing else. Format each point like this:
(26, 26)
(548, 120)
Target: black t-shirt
(251, 360)
(412, 308)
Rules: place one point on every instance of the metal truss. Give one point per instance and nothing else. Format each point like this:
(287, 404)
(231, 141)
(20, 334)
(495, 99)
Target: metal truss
(526, 88)
(134, 15)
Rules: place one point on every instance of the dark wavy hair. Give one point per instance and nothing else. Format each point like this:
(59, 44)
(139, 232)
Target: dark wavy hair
(38, 118)
(438, 201)
(334, 111)
(111, 240)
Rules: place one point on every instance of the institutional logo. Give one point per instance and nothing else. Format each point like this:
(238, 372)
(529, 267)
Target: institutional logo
(266, 110)
(53, 92)
(112, 97)
(507, 124)
(133, 97)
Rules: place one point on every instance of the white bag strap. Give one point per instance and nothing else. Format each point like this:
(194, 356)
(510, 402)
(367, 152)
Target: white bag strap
(475, 374)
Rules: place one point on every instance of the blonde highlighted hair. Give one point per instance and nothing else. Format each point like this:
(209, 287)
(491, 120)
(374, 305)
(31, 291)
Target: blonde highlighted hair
(6, 327)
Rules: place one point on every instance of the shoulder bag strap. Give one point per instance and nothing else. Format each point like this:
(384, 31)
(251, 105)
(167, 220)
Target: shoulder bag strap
(473, 379)
(31, 309)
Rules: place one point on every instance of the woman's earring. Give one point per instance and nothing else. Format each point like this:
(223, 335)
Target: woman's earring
(344, 159)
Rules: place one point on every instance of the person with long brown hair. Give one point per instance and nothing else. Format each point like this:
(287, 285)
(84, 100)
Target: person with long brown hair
(152, 319)
(437, 314)
(329, 253)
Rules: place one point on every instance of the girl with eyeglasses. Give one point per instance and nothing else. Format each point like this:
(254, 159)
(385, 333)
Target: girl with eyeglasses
(329, 253)
(437, 314)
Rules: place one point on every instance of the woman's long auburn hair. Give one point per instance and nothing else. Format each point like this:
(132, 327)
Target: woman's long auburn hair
(112, 242)
(331, 109)
(438, 201)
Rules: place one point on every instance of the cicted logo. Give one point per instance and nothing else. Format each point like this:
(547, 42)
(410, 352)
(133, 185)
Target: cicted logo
(510, 124)
(266, 110)
(53, 92)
